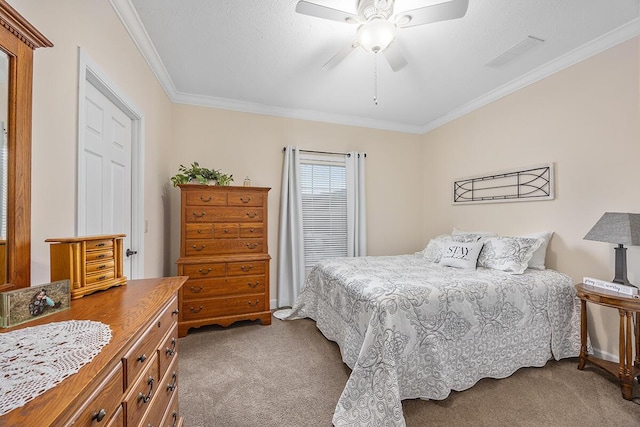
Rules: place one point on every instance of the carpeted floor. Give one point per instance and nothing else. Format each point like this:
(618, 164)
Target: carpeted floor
(288, 375)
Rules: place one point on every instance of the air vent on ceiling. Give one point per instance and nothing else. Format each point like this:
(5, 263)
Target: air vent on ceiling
(515, 52)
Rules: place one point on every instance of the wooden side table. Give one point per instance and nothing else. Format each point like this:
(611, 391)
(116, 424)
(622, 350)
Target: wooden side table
(628, 368)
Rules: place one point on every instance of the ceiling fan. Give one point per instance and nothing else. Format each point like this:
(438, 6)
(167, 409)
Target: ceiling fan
(377, 25)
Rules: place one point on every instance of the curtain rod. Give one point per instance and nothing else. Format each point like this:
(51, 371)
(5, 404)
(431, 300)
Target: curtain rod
(321, 152)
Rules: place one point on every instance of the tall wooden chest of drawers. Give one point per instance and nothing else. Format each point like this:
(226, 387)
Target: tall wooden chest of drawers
(91, 263)
(224, 252)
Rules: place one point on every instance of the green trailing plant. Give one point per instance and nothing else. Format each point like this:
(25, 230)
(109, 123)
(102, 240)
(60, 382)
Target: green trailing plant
(199, 174)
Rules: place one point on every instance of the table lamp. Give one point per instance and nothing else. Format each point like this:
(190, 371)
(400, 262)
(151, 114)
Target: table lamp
(621, 229)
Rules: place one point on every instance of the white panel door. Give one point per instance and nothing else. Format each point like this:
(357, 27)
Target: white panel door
(105, 170)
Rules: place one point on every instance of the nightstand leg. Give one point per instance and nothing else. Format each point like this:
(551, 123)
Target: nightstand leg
(583, 333)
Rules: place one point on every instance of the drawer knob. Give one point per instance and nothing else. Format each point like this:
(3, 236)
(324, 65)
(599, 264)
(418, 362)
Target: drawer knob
(201, 215)
(245, 199)
(252, 214)
(226, 230)
(100, 267)
(208, 199)
(142, 358)
(172, 386)
(252, 245)
(101, 256)
(170, 351)
(99, 245)
(246, 268)
(195, 310)
(102, 277)
(142, 397)
(253, 304)
(201, 247)
(174, 312)
(99, 416)
(203, 271)
(196, 290)
(174, 415)
(253, 285)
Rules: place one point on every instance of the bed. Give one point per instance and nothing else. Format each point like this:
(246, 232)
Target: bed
(409, 327)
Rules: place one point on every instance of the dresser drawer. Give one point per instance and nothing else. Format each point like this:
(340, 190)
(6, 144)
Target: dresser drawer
(99, 255)
(251, 229)
(99, 244)
(168, 350)
(199, 230)
(196, 271)
(226, 231)
(246, 267)
(118, 418)
(201, 309)
(96, 267)
(205, 214)
(223, 246)
(172, 416)
(167, 389)
(99, 276)
(245, 199)
(140, 354)
(206, 198)
(104, 402)
(207, 288)
(141, 393)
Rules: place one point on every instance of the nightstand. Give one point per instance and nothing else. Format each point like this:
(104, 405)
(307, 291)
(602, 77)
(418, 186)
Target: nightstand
(628, 368)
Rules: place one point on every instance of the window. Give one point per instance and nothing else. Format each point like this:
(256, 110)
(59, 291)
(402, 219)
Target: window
(323, 183)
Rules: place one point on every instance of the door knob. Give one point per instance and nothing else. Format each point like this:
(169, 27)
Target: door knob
(129, 252)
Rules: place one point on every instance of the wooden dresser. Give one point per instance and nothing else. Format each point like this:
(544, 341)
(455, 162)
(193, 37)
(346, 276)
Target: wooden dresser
(91, 263)
(133, 380)
(224, 252)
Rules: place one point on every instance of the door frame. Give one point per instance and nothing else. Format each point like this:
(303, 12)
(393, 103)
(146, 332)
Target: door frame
(90, 73)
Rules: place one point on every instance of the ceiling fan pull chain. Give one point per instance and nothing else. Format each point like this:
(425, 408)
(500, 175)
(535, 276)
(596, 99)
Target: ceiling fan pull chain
(375, 78)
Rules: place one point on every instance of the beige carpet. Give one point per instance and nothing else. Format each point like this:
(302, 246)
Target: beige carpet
(288, 375)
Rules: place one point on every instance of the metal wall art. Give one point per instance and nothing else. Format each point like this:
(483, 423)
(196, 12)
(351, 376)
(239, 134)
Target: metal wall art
(526, 184)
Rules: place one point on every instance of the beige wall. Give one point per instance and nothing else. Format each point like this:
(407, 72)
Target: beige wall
(586, 120)
(251, 145)
(94, 26)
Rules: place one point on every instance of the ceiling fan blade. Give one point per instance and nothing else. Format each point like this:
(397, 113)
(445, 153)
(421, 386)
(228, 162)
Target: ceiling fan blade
(394, 56)
(319, 11)
(338, 57)
(437, 12)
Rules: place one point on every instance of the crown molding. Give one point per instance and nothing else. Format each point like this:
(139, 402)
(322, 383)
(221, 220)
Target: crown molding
(600, 44)
(131, 21)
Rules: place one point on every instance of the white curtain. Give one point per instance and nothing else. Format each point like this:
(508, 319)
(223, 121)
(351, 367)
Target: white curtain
(291, 272)
(356, 205)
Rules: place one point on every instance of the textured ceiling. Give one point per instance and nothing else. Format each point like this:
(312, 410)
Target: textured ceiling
(261, 56)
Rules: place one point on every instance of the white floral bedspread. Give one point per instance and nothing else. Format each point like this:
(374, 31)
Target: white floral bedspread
(408, 328)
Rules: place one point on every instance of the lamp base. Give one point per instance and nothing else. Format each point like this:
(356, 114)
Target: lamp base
(621, 266)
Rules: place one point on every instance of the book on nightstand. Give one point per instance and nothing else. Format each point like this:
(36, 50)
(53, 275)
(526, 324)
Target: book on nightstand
(631, 291)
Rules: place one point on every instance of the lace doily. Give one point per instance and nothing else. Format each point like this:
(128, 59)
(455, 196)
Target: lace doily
(34, 359)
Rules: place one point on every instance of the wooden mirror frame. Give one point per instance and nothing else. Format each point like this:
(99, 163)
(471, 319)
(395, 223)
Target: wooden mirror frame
(18, 39)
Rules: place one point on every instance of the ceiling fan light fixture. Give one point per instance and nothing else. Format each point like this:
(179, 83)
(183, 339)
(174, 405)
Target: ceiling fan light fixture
(376, 34)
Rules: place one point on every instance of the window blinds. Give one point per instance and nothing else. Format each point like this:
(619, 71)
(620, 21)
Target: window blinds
(324, 207)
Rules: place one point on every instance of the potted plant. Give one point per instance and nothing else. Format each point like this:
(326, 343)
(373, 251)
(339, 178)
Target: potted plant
(200, 175)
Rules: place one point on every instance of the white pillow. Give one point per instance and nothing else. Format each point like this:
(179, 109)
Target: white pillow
(538, 258)
(433, 251)
(460, 254)
(458, 232)
(511, 254)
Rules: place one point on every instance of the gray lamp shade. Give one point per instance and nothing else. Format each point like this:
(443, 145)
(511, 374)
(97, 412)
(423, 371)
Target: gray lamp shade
(619, 228)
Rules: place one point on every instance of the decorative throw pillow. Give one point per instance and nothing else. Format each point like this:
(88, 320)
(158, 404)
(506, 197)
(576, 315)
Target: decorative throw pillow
(461, 254)
(511, 254)
(538, 259)
(434, 249)
(458, 232)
